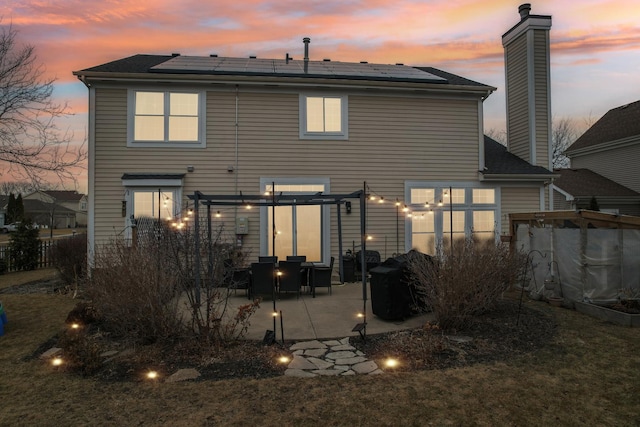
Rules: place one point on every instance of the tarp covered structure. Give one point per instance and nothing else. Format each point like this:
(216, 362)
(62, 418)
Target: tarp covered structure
(586, 256)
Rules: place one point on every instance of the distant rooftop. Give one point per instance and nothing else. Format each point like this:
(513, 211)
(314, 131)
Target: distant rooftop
(617, 124)
(586, 183)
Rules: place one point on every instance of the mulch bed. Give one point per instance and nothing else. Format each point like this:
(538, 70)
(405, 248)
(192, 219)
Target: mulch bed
(503, 333)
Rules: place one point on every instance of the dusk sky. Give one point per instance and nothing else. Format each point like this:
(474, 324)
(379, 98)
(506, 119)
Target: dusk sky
(595, 44)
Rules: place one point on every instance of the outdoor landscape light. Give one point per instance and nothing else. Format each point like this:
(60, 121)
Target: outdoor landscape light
(391, 363)
(75, 326)
(56, 361)
(360, 315)
(152, 375)
(283, 359)
(274, 314)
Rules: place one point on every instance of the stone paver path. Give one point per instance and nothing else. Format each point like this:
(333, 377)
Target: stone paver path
(310, 359)
(331, 357)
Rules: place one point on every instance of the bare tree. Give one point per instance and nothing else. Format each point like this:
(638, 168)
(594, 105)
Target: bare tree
(15, 187)
(499, 135)
(30, 142)
(563, 134)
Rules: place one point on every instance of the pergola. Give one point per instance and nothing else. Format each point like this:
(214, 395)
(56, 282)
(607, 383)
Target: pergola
(274, 200)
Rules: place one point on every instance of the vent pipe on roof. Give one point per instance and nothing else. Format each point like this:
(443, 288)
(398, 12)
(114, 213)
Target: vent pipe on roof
(524, 10)
(306, 42)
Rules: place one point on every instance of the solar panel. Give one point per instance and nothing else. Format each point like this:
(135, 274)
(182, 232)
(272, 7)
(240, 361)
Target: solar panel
(294, 68)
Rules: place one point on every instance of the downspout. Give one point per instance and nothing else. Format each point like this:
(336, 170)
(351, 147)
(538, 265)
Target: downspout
(235, 184)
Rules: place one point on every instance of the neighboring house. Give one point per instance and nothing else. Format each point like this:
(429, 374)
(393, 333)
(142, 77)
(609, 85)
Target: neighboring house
(163, 127)
(70, 200)
(42, 213)
(610, 149)
(575, 189)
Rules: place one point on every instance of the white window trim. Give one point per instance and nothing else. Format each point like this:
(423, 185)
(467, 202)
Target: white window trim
(202, 121)
(344, 104)
(167, 185)
(468, 207)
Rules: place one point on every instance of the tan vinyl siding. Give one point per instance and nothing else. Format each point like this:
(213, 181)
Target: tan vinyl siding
(391, 139)
(541, 76)
(618, 164)
(518, 102)
(518, 199)
(560, 202)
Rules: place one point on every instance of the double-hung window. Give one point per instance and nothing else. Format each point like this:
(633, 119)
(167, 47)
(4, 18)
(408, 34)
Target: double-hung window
(166, 118)
(323, 117)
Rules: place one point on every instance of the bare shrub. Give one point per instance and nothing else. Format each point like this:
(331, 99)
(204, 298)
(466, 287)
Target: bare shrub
(206, 282)
(81, 352)
(135, 291)
(465, 283)
(69, 257)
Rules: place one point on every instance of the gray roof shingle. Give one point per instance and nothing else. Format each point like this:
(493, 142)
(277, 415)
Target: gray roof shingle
(162, 64)
(618, 123)
(586, 183)
(499, 161)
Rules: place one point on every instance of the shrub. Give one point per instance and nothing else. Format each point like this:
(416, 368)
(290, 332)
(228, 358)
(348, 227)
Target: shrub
(69, 257)
(81, 352)
(24, 247)
(134, 292)
(465, 283)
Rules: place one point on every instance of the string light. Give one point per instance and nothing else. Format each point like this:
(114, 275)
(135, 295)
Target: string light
(218, 214)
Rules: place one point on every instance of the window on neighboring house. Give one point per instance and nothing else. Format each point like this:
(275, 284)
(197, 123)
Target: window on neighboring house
(323, 117)
(83, 206)
(161, 118)
(439, 213)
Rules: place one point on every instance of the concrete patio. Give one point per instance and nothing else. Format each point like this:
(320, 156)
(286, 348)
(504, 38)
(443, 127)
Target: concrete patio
(322, 317)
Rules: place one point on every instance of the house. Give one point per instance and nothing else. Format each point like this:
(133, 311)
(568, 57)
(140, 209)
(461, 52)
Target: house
(606, 158)
(42, 213)
(162, 127)
(71, 201)
(577, 189)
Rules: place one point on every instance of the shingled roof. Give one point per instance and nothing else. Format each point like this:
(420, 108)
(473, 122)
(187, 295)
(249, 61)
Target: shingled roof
(586, 183)
(618, 123)
(499, 161)
(279, 68)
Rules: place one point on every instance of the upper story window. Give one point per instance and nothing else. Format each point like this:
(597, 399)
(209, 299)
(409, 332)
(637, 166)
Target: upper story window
(166, 118)
(323, 117)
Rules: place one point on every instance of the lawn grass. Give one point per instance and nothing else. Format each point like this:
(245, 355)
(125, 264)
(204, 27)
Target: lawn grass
(588, 375)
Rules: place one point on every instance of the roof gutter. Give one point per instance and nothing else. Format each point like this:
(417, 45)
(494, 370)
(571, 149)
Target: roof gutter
(89, 77)
(516, 177)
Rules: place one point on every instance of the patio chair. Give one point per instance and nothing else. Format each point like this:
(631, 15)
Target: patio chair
(304, 272)
(372, 259)
(321, 277)
(262, 279)
(289, 277)
(240, 278)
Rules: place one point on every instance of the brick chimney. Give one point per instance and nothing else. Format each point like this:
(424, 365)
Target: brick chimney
(527, 75)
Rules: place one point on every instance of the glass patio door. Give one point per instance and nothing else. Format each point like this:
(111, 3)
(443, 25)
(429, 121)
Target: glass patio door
(298, 231)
